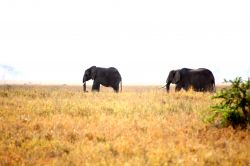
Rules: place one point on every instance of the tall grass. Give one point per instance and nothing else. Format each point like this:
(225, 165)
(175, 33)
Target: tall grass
(61, 125)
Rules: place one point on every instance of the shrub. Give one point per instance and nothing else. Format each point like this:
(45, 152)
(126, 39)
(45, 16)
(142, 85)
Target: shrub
(234, 104)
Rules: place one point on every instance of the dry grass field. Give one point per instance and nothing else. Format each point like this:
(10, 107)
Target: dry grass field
(61, 125)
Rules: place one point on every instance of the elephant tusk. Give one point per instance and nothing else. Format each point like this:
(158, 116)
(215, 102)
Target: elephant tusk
(163, 86)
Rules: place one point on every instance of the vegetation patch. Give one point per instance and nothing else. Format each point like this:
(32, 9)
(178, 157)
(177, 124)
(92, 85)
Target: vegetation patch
(234, 104)
(61, 125)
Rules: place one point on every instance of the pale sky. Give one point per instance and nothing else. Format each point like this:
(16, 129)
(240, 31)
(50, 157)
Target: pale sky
(54, 41)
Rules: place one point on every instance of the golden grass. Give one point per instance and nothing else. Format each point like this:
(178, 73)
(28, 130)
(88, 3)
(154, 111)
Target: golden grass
(61, 125)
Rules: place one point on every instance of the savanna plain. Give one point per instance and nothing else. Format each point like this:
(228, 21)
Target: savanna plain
(143, 125)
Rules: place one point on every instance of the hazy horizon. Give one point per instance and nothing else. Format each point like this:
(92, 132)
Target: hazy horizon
(55, 41)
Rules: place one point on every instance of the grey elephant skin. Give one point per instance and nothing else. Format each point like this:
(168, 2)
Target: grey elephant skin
(200, 79)
(108, 77)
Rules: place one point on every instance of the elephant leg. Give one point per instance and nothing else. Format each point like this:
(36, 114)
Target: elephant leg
(209, 88)
(116, 88)
(191, 86)
(96, 86)
(178, 87)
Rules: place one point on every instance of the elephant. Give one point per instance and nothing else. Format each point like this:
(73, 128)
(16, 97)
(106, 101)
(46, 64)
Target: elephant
(200, 80)
(108, 77)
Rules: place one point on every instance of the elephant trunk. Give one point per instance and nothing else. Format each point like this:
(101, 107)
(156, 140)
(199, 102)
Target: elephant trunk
(167, 86)
(84, 87)
(84, 79)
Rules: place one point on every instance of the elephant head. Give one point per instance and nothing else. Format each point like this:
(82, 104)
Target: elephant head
(90, 73)
(174, 77)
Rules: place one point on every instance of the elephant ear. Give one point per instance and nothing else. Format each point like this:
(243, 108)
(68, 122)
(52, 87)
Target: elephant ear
(93, 72)
(177, 77)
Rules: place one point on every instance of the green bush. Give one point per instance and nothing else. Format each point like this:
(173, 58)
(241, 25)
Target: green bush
(234, 104)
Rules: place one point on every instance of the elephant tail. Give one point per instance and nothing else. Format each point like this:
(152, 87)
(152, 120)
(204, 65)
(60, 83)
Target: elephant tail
(214, 87)
(121, 86)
